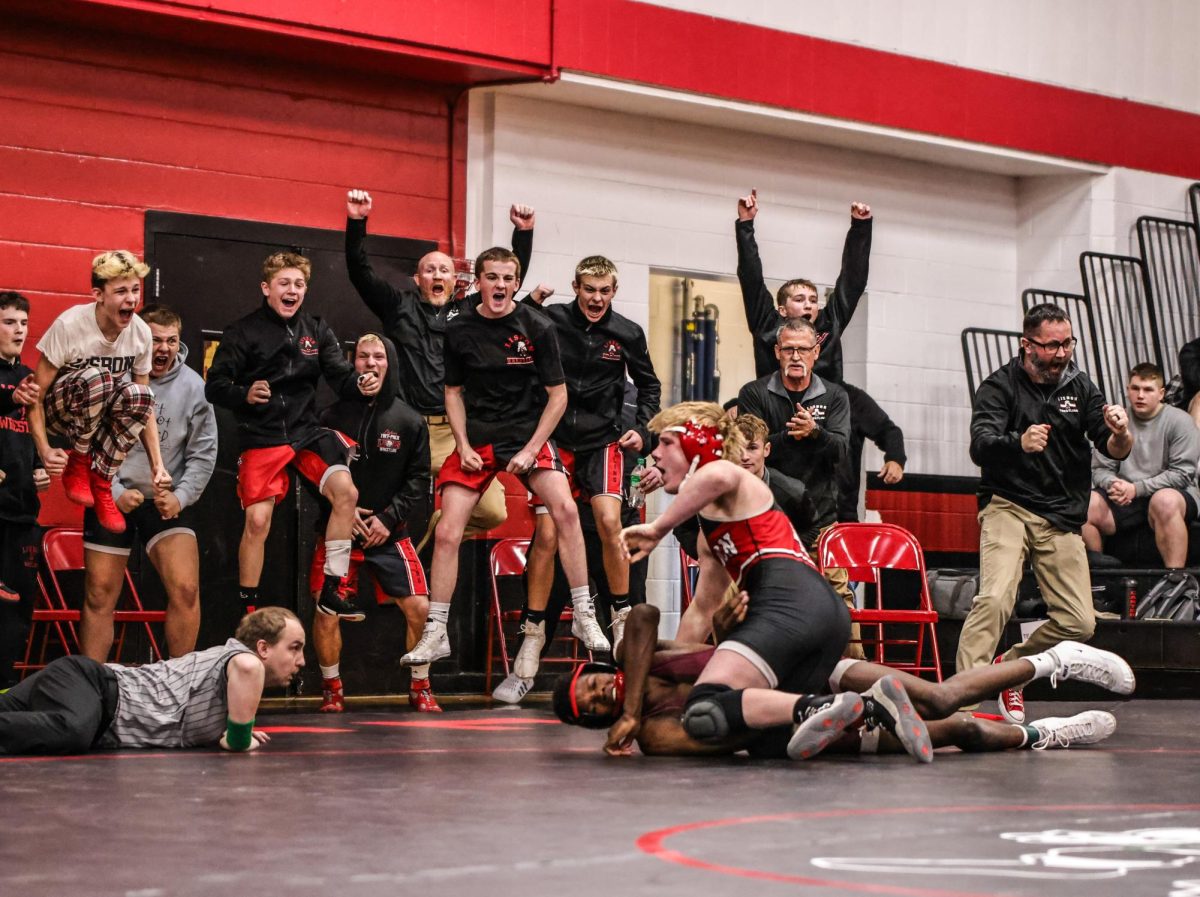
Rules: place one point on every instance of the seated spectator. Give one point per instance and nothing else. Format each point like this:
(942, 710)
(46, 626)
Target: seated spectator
(94, 381)
(162, 519)
(1156, 483)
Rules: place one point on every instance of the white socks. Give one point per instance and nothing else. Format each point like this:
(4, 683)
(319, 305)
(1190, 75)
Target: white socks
(580, 595)
(1043, 664)
(337, 557)
(438, 613)
(331, 672)
(420, 671)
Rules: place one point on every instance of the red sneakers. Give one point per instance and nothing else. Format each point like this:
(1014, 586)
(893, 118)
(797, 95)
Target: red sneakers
(8, 595)
(1012, 702)
(420, 697)
(335, 698)
(106, 509)
(76, 479)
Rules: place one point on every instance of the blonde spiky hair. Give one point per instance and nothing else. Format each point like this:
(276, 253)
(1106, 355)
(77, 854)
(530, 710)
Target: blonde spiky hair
(707, 414)
(116, 263)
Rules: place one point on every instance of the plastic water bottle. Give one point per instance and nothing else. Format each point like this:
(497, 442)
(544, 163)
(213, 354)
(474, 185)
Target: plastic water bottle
(636, 497)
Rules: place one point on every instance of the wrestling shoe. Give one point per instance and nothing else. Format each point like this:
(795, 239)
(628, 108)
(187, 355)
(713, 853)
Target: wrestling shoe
(434, 645)
(7, 594)
(421, 699)
(1082, 728)
(822, 723)
(512, 689)
(333, 698)
(1083, 663)
(334, 601)
(75, 478)
(887, 704)
(529, 656)
(618, 625)
(586, 628)
(1012, 702)
(107, 513)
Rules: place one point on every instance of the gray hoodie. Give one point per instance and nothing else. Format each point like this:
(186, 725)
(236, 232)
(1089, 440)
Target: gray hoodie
(187, 428)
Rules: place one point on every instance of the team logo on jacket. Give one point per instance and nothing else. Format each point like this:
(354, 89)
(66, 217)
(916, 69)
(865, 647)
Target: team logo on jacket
(452, 314)
(817, 412)
(611, 351)
(520, 349)
(1068, 405)
(389, 441)
(308, 345)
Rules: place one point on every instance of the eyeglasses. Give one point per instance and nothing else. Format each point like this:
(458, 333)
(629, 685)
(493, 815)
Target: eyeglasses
(1054, 348)
(796, 350)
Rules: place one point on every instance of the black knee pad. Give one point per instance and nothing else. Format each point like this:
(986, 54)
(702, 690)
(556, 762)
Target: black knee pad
(713, 713)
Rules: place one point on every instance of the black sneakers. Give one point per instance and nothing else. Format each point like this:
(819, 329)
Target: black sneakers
(333, 602)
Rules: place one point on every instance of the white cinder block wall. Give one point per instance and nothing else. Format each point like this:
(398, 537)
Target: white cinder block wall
(952, 248)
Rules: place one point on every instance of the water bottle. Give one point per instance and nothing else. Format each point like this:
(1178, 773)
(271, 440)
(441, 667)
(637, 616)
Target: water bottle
(636, 497)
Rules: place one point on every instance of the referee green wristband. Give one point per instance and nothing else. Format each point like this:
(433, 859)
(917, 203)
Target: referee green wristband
(237, 735)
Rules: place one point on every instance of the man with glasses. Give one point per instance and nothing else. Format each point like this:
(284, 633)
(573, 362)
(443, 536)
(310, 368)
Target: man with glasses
(1033, 426)
(808, 424)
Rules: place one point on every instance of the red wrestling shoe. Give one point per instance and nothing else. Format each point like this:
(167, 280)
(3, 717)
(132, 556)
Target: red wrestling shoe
(76, 479)
(420, 697)
(8, 594)
(106, 509)
(335, 698)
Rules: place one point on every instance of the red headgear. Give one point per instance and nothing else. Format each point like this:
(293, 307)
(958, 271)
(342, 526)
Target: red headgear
(701, 443)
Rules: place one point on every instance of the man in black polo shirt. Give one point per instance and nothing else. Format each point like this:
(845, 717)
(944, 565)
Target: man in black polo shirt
(505, 393)
(415, 320)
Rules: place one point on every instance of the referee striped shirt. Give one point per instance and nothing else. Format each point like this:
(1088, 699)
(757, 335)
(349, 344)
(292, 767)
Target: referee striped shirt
(175, 703)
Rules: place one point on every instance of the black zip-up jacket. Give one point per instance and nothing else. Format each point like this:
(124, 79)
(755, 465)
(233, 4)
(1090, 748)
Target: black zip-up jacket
(291, 356)
(19, 501)
(869, 421)
(762, 314)
(595, 358)
(815, 460)
(1055, 483)
(391, 471)
(416, 327)
(1189, 370)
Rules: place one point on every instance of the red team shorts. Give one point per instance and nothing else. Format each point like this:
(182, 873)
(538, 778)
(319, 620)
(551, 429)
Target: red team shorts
(263, 474)
(397, 570)
(495, 459)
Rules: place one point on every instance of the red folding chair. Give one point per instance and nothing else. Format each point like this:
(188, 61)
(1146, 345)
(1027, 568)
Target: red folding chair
(689, 571)
(863, 550)
(507, 558)
(62, 552)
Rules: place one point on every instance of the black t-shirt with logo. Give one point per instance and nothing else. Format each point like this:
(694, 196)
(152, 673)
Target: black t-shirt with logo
(503, 365)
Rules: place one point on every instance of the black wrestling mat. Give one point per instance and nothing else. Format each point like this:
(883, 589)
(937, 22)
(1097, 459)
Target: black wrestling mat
(491, 802)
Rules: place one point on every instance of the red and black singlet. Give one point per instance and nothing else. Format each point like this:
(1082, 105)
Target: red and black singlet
(740, 544)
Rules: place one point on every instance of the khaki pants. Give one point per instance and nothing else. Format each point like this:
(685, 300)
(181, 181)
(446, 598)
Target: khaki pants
(839, 580)
(1008, 535)
(491, 510)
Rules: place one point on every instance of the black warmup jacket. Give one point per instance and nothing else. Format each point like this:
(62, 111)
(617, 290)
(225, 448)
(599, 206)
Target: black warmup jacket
(595, 358)
(291, 356)
(416, 327)
(391, 471)
(19, 501)
(813, 461)
(762, 313)
(1055, 483)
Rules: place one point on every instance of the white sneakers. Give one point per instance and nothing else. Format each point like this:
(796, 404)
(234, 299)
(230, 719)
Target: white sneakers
(529, 656)
(512, 689)
(586, 628)
(1083, 663)
(1088, 727)
(618, 625)
(434, 645)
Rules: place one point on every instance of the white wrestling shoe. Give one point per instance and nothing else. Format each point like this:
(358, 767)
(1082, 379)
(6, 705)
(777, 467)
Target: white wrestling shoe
(1082, 728)
(529, 656)
(434, 645)
(1083, 663)
(512, 689)
(618, 625)
(586, 628)
(824, 721)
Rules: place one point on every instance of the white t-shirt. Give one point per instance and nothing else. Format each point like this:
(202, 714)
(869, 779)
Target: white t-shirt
(74, 341)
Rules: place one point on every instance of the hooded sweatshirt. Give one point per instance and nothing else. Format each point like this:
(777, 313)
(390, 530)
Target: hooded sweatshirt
(391, 471)
(18, 497)
(187, 430)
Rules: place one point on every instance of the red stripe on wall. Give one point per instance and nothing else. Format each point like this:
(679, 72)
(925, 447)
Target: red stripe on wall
(684, 51)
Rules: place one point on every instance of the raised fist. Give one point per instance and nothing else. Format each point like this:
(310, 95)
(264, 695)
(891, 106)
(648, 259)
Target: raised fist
(521, 216)
(748, 206)
(358, 204)
(860, 211)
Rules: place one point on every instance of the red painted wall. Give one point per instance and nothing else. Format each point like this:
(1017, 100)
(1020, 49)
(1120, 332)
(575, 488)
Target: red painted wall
(92, 139)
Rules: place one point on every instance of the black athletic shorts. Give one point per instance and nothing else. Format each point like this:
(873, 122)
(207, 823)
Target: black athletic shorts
(1135, 514)
(143, 522)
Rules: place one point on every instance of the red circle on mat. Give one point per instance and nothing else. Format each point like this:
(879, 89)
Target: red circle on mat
(653, 843)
